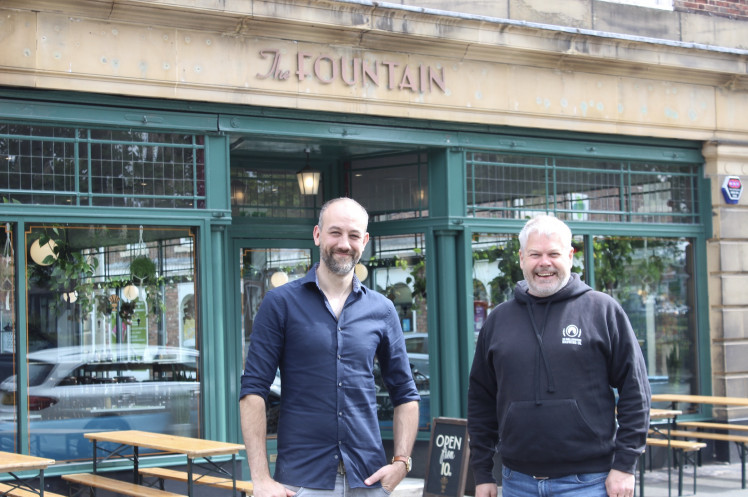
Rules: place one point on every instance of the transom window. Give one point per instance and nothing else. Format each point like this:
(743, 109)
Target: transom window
(512, 186)
(50, 165)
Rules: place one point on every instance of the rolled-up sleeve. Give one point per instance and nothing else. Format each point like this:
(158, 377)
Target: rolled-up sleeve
(265, 347)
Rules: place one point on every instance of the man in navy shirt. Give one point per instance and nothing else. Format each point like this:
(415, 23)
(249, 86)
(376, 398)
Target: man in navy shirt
(324, 331)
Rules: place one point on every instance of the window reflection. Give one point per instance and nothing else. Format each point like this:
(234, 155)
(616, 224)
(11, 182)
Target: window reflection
(652, 278)
(111, 337)
(263, 269)
(396, 268)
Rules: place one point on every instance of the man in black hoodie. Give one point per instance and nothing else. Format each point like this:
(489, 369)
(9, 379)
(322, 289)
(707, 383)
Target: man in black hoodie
(544, 378)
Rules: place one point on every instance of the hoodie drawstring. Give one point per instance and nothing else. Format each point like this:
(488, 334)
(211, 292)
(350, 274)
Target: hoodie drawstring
(541, 353)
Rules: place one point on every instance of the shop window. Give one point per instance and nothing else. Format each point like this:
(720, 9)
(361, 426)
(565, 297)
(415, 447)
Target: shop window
(519, 187)
(108, 344)
(260, 193)
(391, 187)
(395, 266)
(263, 269)
(652, 279)
(49, 165)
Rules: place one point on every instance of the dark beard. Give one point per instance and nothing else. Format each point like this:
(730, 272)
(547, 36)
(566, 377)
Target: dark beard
(335, 267)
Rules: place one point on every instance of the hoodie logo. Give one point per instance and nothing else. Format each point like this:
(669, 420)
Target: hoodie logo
(572, 335)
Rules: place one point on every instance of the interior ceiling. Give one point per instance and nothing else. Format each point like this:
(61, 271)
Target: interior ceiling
(293, 150)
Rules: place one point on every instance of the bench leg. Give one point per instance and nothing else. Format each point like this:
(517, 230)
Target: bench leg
(741, 452)
(642, 460)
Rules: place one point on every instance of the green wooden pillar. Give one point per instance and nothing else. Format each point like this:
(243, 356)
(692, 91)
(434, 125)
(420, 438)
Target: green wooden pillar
(447, 287)
(449, 364)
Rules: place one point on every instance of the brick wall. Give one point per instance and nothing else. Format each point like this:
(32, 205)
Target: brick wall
(734, 9)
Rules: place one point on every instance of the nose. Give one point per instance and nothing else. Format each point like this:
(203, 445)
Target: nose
(344, 243)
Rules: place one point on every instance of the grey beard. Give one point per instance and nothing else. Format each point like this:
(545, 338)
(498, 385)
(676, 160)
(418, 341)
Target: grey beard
(337, 268)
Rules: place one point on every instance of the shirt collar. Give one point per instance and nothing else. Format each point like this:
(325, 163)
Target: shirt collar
(311, 278)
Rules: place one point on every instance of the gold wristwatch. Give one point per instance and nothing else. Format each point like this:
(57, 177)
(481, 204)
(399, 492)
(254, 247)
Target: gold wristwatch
(405, 460)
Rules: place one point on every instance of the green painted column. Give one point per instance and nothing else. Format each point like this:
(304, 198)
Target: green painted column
(449, 364)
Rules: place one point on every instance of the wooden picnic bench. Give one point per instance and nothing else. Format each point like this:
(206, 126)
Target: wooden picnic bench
(245, 487)
(677, 446)
(117, 486)
(739, 439)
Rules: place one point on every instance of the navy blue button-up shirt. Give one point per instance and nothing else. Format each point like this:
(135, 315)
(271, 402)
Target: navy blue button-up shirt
(328, 395)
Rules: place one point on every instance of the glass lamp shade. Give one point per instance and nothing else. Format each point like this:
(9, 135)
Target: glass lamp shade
(279, 278)
(130, 292)
(40, 252)
(308, 181)
(361, 272)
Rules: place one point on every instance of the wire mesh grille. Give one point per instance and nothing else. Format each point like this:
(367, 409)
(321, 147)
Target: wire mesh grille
(518, 187)
(75, 166)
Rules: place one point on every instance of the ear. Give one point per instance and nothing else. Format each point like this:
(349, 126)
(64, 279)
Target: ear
(316, 235)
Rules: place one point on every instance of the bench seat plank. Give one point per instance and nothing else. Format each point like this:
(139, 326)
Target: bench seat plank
(117, 486)
(246, 487)
(676, 444)
(709, 436)
(22, 492)
(713, 426)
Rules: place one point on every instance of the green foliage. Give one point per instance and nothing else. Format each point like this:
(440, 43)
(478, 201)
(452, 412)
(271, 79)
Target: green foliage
(71, 271)
(613, 255)
(143, 269)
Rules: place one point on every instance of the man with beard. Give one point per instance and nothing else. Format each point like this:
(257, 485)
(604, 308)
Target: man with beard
(542, 382)
(324, 332)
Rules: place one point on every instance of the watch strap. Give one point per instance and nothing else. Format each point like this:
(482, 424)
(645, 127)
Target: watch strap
(403, 459)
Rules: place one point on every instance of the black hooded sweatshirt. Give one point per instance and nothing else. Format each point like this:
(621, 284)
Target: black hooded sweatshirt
(541, 386)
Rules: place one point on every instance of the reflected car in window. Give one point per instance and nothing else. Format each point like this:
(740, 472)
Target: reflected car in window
(75, 390)
(417, 347)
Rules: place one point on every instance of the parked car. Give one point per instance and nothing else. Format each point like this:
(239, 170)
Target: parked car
(417, 346)
(74, 390)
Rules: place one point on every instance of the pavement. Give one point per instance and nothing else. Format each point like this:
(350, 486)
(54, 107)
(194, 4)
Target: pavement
(712, 480)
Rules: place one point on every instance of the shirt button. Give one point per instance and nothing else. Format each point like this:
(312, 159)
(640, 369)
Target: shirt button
(336, 456)
(339, 356)
(340, 329)
(340, 384)
(340, 413)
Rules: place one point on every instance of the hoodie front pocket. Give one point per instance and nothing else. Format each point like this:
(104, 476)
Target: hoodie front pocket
(552, 431)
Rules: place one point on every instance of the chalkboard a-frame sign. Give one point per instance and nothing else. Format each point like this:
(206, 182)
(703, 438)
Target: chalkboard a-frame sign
(447, 463)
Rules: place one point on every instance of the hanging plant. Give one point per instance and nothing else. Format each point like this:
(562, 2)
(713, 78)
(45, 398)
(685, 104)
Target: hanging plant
(143, 269)
(126, 310)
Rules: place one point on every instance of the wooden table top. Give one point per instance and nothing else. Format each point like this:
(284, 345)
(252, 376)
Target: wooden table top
(701, 399)
(10, 461)
(192, 447)
(664, 413)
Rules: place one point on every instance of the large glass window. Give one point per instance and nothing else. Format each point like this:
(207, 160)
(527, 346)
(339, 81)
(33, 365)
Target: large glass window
(395, 266)
(391, 186)
(263, 269)
(111, 337)
(651, 277)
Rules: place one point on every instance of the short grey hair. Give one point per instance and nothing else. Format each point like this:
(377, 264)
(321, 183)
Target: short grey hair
(339, 199)
(545, 224)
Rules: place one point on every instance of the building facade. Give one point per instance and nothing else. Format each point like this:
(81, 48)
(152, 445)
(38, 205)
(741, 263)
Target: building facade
(150, 196)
